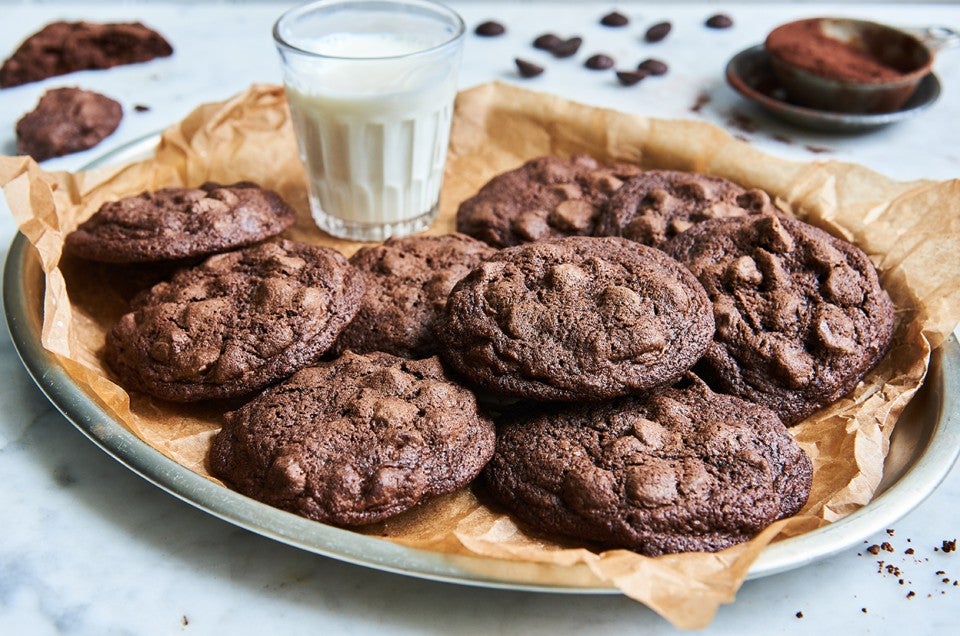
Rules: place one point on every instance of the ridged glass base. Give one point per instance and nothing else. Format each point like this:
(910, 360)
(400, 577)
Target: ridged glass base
(370, 231)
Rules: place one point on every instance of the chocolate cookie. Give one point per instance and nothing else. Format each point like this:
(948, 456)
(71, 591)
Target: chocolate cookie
(656, 205)
(408, 281)
(545, 198)
(575, 319)
(683, 470)
(235, 323)
(800, 315)
(355, 440)
(176, 223)
(65, 47)
(67, 120)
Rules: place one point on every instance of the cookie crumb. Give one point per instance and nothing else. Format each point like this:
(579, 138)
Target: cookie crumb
(863, 609)
(949, 546)
(184, 620)
(703, 98)
(909, 551)
(874, 549)
(799, 614)
(890, 531)
(886, 546)
(141, 108)
(911, 594)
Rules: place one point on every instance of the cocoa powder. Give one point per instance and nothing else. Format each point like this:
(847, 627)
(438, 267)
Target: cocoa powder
(803, 44)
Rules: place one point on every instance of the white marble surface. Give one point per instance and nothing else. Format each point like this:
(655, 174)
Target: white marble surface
(87, 547)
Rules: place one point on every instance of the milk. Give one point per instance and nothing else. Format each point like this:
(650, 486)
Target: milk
(372, 115)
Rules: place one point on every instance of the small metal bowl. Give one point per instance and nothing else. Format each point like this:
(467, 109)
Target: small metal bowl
(814, 78)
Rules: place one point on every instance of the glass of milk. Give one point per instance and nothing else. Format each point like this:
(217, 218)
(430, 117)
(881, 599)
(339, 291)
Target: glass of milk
(371, 85)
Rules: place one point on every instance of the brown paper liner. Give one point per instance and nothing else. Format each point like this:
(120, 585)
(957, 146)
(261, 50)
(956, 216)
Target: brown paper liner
(910, 230)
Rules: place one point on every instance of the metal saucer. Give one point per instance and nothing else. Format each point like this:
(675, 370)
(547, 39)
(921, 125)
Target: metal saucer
(750, 74)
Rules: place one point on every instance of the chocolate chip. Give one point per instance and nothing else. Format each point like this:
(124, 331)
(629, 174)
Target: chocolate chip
(546, 42)
(599, 62)
(657, 32)
(490, 29)
(141, 108)
(527, 69)
(614, 19)
(567, 48)
(629, 78)
(719, 21)
(654, 67)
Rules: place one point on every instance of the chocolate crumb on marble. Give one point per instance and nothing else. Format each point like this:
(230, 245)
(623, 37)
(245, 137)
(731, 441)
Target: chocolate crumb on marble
(703, 98)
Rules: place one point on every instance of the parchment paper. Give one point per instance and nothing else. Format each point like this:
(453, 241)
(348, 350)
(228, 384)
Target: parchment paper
(910, 230)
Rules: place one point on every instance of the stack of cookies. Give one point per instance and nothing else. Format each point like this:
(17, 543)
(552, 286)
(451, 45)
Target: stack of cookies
(616, 353)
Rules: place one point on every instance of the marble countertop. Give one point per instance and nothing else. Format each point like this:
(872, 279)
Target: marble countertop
(88, 547)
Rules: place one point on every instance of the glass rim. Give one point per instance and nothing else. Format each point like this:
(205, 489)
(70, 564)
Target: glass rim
(303, 9)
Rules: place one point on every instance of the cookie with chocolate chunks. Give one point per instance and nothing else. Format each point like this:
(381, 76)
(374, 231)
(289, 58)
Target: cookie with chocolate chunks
(683, 470)
(408, 280)
(656, 205)
(578, 318)
(67, 120)
(65, 47)
(179, 223)
(355, 440)
(235, 323)
(800, 315)
(547, 197)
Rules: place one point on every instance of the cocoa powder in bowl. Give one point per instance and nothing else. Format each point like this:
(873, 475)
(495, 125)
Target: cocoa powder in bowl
(847, 65)
(868, 56)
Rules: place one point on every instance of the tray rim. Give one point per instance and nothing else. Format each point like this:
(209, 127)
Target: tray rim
(928, 469)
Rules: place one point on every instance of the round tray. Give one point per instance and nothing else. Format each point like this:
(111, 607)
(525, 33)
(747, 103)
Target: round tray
(924, 445)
